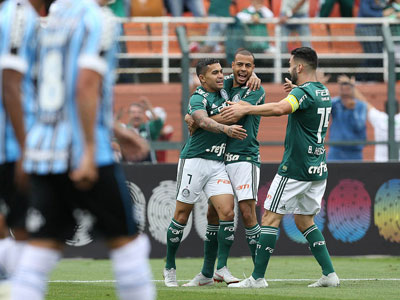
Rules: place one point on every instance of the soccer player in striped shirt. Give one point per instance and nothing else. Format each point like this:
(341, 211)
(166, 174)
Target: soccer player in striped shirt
(69, 155)
(19, 24)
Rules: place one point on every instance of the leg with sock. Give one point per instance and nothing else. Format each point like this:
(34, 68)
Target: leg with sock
(132, 270)
(252, 238)
(320, 251)
(210, 250)
(265, 247)
(30, 278)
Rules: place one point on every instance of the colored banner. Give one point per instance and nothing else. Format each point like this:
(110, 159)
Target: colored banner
(360, 213)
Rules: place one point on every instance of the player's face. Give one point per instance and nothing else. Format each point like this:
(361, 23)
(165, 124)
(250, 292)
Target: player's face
(213, 79)
(136, 115)
(293, 71)
(242, 67)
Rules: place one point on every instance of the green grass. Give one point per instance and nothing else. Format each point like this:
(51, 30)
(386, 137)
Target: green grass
(280, 267)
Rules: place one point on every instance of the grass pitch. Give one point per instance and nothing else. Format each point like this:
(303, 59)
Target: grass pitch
(362, 278)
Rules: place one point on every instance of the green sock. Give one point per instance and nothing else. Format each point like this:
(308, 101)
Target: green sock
(318, 248)
(174, 237)
(265, 247)
(210, 250)
(252, 236)
(226, 235)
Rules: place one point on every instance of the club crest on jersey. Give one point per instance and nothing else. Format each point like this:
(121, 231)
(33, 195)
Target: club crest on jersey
(236, 98)
(224, 94)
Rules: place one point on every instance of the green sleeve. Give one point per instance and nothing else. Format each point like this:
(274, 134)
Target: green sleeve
(197, 102)
(302, 98)
(255, 97)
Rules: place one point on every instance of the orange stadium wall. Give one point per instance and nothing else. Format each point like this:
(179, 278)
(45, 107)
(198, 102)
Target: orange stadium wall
(169, 97)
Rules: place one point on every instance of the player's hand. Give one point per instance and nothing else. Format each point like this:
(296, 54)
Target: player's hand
(288, 85)
(236, 132)
(234, 111)
(254, 83)
(85, 176)
(346, 79)
(191, 124)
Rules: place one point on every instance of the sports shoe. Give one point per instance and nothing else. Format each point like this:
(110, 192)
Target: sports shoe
(250, 283)
(200, 280)
(331, 280)
(170, 277)
(224, 274)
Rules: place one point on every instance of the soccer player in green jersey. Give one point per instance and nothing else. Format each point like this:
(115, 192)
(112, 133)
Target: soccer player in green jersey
(242, 162)
(201, 168)
(300, 183)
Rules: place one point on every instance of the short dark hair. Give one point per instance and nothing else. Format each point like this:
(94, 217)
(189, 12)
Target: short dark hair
(245, 52)
(308, 55)
(203, 63)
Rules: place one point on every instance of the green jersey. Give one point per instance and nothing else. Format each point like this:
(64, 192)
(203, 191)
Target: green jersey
(247, 149)
(304, 158)
(203, 143)
(220, 8)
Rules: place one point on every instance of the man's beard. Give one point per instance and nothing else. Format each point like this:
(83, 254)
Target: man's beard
(294, 77)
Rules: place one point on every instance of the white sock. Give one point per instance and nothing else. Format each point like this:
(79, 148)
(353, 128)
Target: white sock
(10, 253)
(30, 278)
(132, 270)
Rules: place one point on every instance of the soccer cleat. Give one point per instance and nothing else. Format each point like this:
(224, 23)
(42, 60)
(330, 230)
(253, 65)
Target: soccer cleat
(331, 280)
(224, 274)
(170, 277)
(200, 280)
(250, 283)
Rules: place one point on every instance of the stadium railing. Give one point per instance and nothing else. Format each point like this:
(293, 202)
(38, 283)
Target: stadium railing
(165, 45)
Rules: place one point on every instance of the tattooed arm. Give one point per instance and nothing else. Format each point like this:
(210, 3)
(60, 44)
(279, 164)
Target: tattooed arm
(203, 121)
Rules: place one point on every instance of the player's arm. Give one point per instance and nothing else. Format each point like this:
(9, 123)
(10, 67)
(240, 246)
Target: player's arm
(203, 121)
(99, 39)
(133, 146)
(283, 107)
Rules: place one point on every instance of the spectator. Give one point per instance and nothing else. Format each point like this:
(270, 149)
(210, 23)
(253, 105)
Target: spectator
(165, 134)
(149, 130)
(349, 116)
(252, 15)
(176, 7)
(379, 120)
(392, 11)
(326, 6)
(295, 9)
(370, 9)
(218, 8)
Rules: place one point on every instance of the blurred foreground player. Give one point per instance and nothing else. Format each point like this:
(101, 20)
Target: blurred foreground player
(69, 156)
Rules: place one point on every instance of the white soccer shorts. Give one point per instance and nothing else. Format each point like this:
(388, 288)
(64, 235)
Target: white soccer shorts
(289, 196)
(245, 178)
(196, 175)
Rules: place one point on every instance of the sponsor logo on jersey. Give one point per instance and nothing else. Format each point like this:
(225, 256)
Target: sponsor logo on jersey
(219, 150)
(324, 94)
(204, 102)
(185, 193)
(231, 157)
(213, 106)
(320, 170)
(224, 94)
(302, 99)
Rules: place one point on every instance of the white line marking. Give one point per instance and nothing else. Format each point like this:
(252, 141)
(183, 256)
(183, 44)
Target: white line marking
(278, 280)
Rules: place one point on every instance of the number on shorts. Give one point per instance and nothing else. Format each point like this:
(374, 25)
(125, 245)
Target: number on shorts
(190, 178)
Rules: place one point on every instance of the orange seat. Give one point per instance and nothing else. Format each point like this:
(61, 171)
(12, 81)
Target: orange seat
(346, 46)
